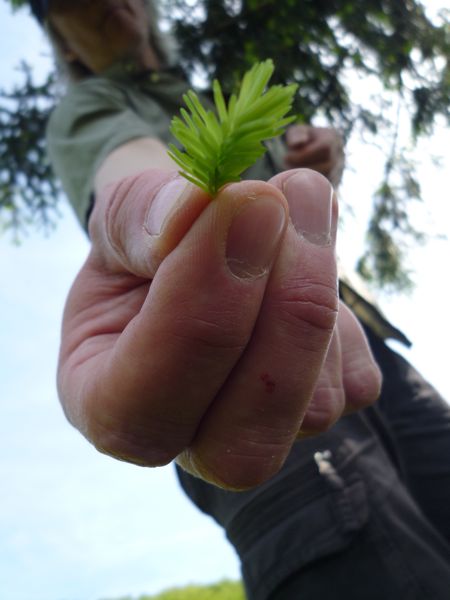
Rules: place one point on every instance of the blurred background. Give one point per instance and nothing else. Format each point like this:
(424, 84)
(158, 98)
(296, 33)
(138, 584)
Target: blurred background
(76, 525)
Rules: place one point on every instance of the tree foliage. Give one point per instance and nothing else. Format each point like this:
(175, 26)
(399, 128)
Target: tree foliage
(315, 44)
(28, 189)
(326, 47)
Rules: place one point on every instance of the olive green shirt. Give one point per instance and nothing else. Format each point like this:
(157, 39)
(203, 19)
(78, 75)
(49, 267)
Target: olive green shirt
(100, 114)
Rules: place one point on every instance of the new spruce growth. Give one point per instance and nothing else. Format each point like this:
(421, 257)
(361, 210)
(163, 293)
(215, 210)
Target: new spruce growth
(219, 147)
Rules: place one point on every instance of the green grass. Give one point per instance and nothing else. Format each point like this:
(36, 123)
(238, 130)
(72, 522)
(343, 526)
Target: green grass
(223, 590)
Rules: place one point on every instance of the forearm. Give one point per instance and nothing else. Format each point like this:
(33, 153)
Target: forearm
(131, 158)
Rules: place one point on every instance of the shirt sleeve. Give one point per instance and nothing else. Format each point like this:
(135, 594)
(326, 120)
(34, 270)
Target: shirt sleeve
(89, 123)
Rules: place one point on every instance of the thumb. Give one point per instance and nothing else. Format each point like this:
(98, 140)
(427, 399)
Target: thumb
(139, 220)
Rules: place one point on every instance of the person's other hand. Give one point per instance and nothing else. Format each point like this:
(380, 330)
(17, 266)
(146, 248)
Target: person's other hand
(317, 148)
(197, 330)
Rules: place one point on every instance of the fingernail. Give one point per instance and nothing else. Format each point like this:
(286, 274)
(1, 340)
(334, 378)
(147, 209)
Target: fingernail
(310, 203)
(254, 236)
(163, 203)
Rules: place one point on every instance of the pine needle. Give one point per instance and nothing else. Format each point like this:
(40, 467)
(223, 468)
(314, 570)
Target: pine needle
(220, 146)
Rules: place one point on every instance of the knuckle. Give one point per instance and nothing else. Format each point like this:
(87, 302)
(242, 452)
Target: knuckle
(115, 216)
(105, 227)
(246, 460)
(127, 449)
(212, 333)
(134, 444)
(326, 407)
(310, 305)
(106, 204)
(363, 387)
(245, 469)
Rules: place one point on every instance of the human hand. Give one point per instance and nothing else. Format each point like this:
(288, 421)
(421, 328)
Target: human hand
(197, 330)
(317, 148)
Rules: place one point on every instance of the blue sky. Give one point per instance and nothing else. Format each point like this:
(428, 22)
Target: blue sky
(76, 525)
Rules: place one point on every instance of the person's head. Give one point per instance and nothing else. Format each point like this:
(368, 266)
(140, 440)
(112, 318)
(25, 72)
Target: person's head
(89, 36)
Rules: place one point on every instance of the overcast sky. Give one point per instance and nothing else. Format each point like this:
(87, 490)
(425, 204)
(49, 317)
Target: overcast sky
(76, 525)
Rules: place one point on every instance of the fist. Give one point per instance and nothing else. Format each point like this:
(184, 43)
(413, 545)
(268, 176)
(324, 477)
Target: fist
(318, 148)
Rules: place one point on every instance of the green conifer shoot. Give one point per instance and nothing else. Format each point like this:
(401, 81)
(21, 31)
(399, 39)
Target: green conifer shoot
(219, 147)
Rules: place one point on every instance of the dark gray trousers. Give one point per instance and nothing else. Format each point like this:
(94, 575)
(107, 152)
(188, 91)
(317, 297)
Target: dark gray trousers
(361, 512)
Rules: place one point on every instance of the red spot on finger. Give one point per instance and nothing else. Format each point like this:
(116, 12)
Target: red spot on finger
(268, 382)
